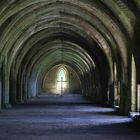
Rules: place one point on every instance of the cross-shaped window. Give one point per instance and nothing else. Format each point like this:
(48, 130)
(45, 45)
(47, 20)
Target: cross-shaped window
(61, 80)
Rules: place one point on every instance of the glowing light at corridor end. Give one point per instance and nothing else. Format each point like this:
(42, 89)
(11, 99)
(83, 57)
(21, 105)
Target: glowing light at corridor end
(61, 79)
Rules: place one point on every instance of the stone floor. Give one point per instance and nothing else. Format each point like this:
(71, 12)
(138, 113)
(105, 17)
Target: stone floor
(69, 117)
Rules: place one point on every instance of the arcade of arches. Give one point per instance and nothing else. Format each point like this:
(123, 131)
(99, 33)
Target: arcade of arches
(90, 47)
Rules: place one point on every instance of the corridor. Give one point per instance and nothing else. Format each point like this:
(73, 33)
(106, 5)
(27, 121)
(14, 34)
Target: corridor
(68, 117)
(89, 48)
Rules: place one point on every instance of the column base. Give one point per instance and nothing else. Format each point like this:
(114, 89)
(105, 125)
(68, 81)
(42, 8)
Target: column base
(6, 106)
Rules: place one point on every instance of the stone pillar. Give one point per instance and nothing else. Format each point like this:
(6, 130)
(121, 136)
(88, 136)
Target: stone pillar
(1, 63)
(5, 84)
(111, 94)
(123, 90)
(138, 97)
(133, 87)
(125, 93)
(0, 89)
(17, 89)
(12, 86)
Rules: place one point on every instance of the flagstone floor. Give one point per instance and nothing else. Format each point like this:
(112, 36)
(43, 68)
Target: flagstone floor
(68, 117)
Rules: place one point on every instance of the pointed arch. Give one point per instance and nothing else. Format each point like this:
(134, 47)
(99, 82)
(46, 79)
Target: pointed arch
(62, 78)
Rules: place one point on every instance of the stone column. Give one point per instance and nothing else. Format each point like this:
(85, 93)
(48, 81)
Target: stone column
(0, 89)
(1, 63)
(5, 84)
(125, 90)
(111, 94)
(133, 86)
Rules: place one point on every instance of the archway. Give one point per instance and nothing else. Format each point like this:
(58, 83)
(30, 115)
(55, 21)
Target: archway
(61, 79)
(37, 35)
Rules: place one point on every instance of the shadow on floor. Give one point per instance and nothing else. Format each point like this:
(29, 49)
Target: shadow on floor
(65, 118)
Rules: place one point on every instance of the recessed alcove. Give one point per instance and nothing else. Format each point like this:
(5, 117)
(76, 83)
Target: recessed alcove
(61, 79)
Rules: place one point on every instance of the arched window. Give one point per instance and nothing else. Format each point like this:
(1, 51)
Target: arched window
(61, 79)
